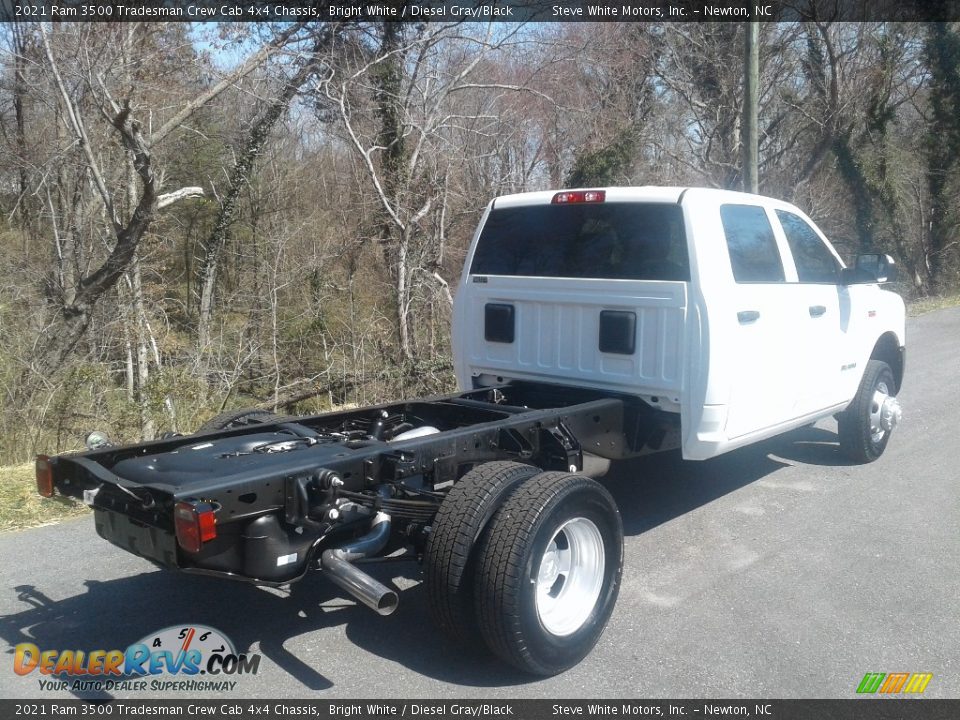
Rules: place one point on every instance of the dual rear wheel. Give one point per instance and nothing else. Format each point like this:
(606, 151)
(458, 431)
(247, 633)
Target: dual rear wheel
(529, 562)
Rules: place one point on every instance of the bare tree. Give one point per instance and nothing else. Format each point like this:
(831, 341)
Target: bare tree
(942, 50)
(90, 90)
(305, 66)
(409, 79)
(703, 72)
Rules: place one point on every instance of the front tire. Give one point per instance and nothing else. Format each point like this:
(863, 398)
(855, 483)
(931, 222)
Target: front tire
(865, 427)
(548, 572)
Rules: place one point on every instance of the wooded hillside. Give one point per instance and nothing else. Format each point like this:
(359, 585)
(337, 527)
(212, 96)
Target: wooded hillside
(194, 219)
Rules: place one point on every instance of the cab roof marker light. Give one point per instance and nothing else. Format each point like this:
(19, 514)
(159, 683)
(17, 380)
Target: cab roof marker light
(579, 196)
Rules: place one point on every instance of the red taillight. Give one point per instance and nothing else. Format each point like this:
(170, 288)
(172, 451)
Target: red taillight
(579, 196)
(44, 476)
(195, 524)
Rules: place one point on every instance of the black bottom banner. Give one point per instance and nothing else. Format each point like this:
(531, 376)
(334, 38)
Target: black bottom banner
(854, 709)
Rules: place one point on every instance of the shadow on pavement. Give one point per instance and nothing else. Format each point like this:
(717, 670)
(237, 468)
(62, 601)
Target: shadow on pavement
(650, 491)
(655, 489)
(117, 613)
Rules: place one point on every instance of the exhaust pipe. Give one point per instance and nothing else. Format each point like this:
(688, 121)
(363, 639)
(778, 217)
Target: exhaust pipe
(336, 562)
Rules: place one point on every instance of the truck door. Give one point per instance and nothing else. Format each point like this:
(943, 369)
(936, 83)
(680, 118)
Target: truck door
(759, 353)
(821, 308)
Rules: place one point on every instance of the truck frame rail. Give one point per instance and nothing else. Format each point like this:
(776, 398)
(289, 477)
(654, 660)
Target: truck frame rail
(284, 491)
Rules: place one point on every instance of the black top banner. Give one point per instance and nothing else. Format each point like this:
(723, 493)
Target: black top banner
(359, 709)
(478, 10)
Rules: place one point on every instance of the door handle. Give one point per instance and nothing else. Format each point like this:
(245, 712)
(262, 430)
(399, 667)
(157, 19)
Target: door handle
(748, 316)
(817, 310)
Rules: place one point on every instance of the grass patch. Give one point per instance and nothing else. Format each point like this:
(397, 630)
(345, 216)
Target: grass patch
(921, 306)
(22, 507)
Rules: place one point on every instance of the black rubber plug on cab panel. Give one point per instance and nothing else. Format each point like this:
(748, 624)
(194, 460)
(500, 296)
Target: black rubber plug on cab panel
(618, 332)
(498, 323)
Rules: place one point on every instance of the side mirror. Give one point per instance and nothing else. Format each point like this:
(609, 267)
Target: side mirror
(871, 268)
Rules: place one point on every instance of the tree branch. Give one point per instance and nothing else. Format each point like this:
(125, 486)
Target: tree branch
(248, 66)
(177, 195)
(79, 131)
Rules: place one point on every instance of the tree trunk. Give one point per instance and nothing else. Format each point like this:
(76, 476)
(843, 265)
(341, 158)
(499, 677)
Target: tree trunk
(239, 177)
(25, 207)
(943, 143)
(859, 188)
(751, 83)
(147, 427)
(403, 298)
(388, 81)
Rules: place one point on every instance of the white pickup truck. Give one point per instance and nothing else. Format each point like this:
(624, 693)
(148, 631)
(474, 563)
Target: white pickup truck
(732, 311)
(590, 326)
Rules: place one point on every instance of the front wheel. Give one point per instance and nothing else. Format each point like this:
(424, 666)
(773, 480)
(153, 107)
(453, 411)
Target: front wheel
(548, 572)
(866, 425)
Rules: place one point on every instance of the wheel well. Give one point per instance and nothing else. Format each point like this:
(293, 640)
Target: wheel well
(888, 350)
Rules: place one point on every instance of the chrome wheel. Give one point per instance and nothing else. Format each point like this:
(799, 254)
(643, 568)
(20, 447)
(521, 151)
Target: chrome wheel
(544, 596)
(570, 576)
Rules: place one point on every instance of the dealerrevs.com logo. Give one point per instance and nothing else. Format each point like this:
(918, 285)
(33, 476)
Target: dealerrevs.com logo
(182, 657)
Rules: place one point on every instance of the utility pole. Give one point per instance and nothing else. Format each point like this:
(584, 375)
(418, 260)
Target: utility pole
(748, 125)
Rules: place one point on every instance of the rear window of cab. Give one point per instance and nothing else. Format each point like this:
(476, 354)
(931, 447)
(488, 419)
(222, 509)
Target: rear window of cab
(616, 241)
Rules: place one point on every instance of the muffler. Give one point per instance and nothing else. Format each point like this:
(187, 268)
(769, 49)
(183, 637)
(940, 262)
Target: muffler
(337, 564)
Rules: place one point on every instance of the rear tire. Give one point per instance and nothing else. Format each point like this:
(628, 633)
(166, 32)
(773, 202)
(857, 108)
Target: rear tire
(462, 517)
(548, 572)
(860, 438)
(237, 418)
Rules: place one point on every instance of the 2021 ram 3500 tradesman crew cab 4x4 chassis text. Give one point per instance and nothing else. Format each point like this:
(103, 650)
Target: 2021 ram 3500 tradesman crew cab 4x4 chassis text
(589, 326)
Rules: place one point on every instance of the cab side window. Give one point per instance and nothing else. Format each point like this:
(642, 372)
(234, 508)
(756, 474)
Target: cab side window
(754, 257)
(815, 263)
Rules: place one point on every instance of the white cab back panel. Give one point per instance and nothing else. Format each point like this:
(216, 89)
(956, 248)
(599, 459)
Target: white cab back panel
(557, 333)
